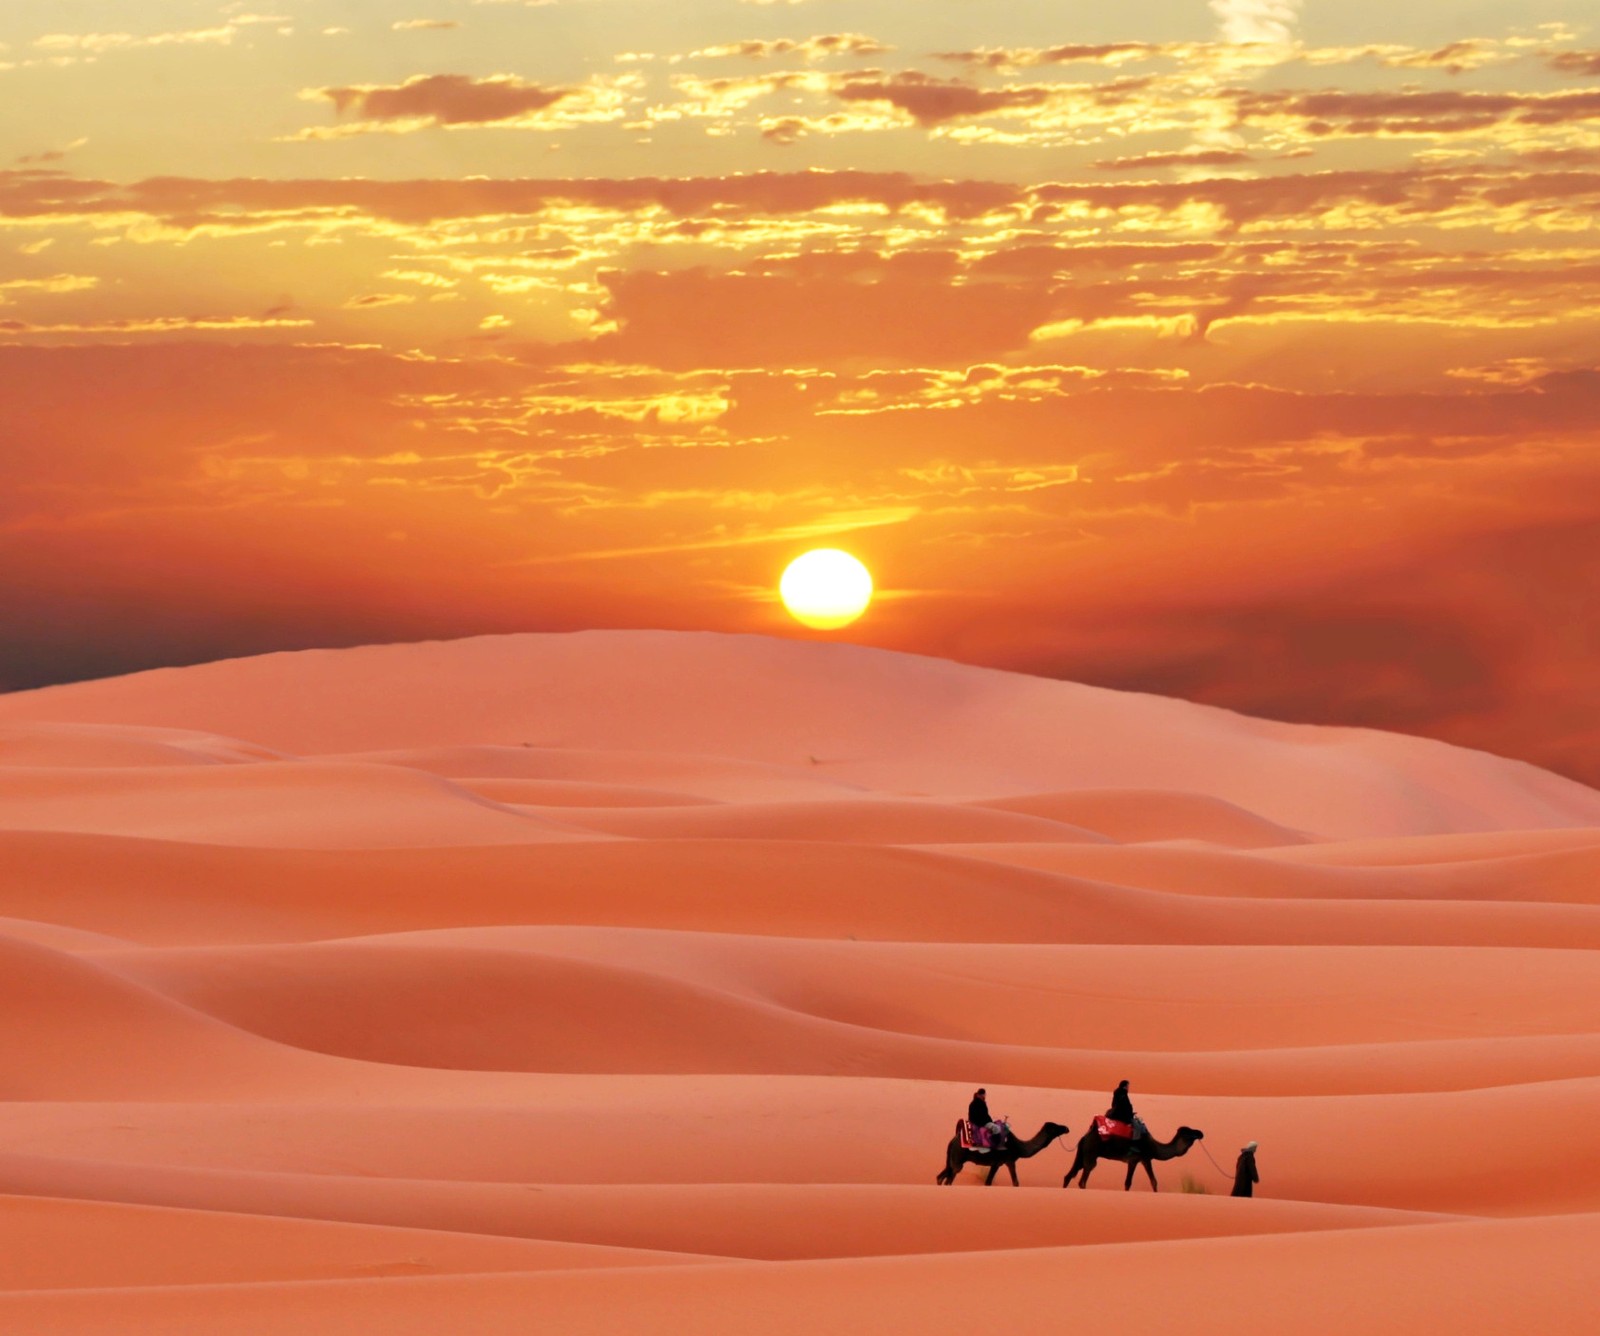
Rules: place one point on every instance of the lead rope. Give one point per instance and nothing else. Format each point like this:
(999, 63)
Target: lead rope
(1212, 1158)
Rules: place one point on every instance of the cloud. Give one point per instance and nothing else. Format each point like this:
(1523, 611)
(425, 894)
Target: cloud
(1183, 157)
(931, 101)
(52, 155)
(423, 25)
(89, 45)
(49, 283)
(1416, 113)
(1070, 53)
(368, 300)
(807, 48)
(695, 317)
(156, 324)
(97, 42)
(1470, 53)
(445, 99)
(1250, 21)
(1574, 62)
(176, 199)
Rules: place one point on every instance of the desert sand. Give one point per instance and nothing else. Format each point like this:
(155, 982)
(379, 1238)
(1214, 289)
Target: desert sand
(635, 982)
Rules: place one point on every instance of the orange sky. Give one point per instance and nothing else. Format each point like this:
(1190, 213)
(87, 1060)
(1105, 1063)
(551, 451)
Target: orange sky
(1247, 351)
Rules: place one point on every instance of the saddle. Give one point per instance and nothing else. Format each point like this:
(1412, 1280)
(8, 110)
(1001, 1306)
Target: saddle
(973, 1137)
(1109, 1129)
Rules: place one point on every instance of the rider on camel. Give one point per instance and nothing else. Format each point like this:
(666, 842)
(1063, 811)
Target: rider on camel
(978, 1116)
(1121, 1110)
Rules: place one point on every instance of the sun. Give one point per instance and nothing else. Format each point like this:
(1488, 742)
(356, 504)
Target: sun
(825, 588)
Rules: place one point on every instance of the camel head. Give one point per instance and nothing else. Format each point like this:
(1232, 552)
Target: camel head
(1190, 1134)
(1055, 1129)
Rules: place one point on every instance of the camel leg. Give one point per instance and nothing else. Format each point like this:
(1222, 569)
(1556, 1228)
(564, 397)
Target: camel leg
(1150, 1173)
(1088, 1168)
(1011, 1166)
(1128, 1181)
(1077, 1167)
(993, 1170)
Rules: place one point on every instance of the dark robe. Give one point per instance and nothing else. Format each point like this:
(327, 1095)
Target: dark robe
(1121, 1106)
(1245, 1176)
(978, 1112)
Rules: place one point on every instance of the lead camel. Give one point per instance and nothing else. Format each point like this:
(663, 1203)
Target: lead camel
(957, 1156)
(1092, 1149)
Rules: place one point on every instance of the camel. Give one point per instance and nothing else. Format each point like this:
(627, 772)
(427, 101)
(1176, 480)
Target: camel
(957, 1156)
(1132, 1153)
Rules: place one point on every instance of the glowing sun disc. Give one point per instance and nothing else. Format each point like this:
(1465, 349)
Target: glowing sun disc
(825, 588)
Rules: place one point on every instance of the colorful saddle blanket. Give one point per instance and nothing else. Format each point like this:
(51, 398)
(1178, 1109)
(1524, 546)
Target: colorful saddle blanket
(1109, 1129)
(974, 1137)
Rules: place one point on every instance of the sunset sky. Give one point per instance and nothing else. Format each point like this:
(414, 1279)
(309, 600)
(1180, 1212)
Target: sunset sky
(1245, 351)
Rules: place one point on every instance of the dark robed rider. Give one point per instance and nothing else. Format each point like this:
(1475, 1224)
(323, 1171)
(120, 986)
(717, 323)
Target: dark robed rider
(1121, 1104)
(978, 1116)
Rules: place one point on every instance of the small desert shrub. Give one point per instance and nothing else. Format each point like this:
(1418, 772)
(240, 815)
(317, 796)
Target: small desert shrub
(1193, 1184)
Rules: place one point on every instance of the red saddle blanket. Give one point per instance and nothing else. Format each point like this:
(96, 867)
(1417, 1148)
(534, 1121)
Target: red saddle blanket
(1109, 1128)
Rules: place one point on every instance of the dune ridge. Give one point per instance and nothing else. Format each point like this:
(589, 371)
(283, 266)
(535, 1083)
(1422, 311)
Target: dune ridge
(638, 979)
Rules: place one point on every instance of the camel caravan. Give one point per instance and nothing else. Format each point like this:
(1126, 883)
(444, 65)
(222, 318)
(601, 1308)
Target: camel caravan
(1118, 1134)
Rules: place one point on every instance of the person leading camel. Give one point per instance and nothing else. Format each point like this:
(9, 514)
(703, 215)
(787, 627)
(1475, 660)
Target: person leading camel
(1245, 1176)
(1121, 1110)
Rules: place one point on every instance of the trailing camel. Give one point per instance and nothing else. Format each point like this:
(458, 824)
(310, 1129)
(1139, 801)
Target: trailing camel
(957, 1156)
(1092, 1149)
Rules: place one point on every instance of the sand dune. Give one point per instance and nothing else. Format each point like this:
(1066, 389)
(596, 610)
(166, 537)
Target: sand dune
(101, 746)
(299, 805)
(164, 892)
(638, 980)
(1552, 875)
(1473, 848)
(1247, 996)
(1138, 815)
(91, 1033)
(577, 793)
(617, 771)
(554, 1000)
(1464, 1277)
(1433, 1151)
(882, 821)
(52, 1244)
(712, 1222)
(890, 721)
